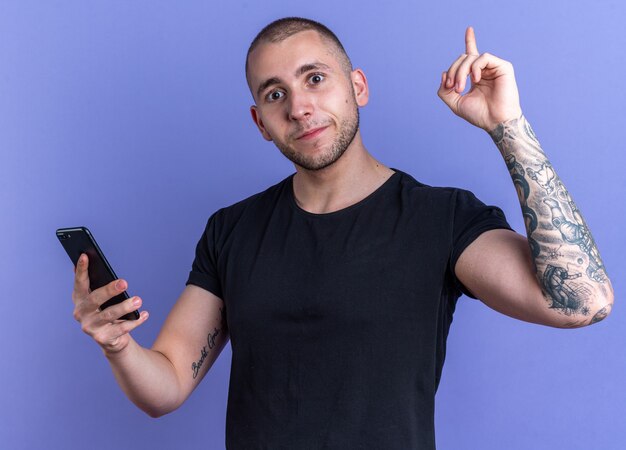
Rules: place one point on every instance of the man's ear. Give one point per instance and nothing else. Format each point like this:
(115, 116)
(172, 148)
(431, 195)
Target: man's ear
(361, 89)
(256, 118)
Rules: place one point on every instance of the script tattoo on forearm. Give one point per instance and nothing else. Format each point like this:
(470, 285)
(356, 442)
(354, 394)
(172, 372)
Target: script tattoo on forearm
(204, 351)
(567, 261)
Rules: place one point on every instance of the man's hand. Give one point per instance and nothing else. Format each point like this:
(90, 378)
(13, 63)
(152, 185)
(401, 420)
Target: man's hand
(157, 380)
(103, 326)
(493, 96)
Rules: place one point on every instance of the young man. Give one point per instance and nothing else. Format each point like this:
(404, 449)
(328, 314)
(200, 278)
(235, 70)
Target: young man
(337, 286)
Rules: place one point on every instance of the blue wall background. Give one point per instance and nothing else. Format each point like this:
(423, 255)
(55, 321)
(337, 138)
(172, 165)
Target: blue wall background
(132, 118)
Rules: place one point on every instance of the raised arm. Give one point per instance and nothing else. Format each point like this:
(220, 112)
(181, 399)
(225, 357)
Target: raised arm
(157, 380)
(555, 276)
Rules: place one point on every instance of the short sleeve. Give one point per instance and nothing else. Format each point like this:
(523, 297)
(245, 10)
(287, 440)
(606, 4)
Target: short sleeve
(472, 218)
(204, 267)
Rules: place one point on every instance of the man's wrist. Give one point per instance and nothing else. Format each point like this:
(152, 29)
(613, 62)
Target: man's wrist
(116, 354)
(497, 133)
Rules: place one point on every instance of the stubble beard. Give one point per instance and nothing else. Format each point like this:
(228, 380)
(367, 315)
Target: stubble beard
(347, 131)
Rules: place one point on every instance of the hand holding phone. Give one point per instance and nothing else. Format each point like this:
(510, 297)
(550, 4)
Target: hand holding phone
(102, 305)
(79, 240)
(103, 325)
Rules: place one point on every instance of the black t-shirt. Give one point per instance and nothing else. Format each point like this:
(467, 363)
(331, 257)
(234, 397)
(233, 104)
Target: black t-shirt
(338, 322)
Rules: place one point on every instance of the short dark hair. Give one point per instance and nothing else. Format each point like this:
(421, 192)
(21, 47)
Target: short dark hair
(281, 29)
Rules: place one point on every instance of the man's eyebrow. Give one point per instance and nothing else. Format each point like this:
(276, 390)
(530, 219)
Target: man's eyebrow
(311, 66)
(299, 72)
(267, 83)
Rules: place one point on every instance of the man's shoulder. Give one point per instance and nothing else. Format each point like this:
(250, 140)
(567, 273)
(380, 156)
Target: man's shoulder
(259, 201)
(414, 187)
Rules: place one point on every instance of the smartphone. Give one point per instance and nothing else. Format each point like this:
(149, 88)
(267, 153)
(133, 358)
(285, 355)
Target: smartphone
(79, 240)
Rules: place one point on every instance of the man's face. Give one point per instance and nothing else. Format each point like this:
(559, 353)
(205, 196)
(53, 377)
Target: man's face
(306, 103)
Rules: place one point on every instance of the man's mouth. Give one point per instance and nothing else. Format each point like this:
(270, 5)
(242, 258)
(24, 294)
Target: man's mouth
(311, 134)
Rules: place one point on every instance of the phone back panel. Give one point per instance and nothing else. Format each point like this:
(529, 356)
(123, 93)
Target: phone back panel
(79, 240)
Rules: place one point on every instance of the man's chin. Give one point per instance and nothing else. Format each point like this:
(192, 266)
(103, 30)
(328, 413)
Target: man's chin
(315, 164)
(314, 167)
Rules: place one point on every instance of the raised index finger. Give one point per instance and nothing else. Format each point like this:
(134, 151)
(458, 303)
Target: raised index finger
(470, 42)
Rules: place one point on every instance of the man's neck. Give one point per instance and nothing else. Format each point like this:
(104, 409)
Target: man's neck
(349, 180)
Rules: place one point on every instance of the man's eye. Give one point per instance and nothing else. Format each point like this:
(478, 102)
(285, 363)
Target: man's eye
(274, 95)
(316, 78)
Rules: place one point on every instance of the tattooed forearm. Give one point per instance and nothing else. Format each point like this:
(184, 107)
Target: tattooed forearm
(211, 343)
(567, 261)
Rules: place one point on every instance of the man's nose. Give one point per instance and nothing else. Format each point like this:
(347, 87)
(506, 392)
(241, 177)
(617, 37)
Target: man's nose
(300, 105)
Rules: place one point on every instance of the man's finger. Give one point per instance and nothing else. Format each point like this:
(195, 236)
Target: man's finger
(108, 291)
(107, 336)
(470, 42)
(449, 96)
(452, 70)
(81, 278)
(126, 326)
(460, 77)
(129, 325)
(112, 313)
(489, 63)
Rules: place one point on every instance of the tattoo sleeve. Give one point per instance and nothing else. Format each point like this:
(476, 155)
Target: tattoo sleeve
(567, 262)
